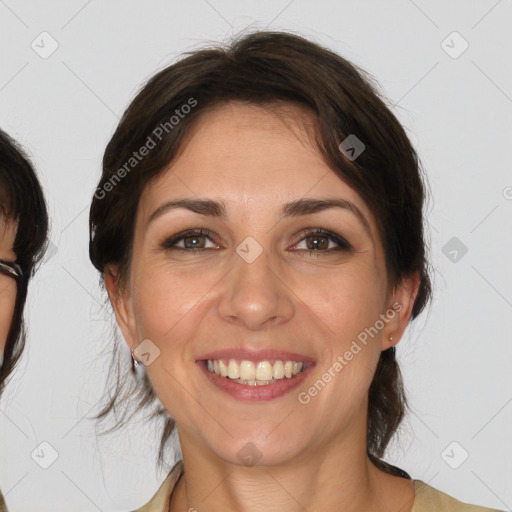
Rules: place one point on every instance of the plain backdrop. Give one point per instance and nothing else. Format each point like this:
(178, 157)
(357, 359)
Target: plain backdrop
(452, 92)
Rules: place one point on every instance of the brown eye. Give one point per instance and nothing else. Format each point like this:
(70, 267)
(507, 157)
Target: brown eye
(192, 240)
(317, 241)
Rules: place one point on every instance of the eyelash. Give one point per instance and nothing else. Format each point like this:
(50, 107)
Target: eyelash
(343, 245)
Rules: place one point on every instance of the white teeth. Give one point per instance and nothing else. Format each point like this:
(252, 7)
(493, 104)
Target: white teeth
(278, 371)
(223, 369)
(260, 374)
(247, 370)
(233, 370)
(264, 371)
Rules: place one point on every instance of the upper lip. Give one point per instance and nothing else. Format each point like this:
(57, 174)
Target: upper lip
(255, 355)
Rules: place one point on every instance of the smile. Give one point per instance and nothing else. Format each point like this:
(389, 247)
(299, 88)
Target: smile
(255, 373)
(270, 381)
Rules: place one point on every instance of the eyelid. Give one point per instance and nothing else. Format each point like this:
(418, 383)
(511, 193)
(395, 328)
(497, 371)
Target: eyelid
(169, 242)
(342, 242)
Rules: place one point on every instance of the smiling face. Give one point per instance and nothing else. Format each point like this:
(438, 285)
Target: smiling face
(7, 284)
(307, 293)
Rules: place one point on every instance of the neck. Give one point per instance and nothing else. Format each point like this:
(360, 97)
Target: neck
(339, 477)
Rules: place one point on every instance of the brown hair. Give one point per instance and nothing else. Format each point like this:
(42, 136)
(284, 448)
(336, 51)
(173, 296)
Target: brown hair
(21, 201)
(268, 68)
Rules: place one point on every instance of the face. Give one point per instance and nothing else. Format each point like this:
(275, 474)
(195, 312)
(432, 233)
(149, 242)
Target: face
(7, 284)
(285, 288)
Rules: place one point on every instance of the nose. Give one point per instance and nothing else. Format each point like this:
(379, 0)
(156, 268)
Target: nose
(255, 295)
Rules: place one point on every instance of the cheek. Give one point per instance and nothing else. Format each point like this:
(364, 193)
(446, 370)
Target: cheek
(163, 301)
(348, 302)
(347, 299)
(167, 308)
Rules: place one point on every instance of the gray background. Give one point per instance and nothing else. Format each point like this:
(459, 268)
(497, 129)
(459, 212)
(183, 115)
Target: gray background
(457, 110)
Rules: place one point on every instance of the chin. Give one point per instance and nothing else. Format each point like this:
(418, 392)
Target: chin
(252, 452)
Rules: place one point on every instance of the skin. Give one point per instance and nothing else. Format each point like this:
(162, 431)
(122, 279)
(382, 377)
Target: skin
(190, 303)
(7, 284)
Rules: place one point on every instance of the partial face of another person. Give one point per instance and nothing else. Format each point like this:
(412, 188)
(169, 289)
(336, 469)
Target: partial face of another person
(8, 284)
(307, 293)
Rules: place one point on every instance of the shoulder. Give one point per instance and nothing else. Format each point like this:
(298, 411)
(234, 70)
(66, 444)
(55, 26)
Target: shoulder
(160, 501)
(429, 499)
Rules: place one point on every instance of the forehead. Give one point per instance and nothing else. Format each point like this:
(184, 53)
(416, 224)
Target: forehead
(250, 157)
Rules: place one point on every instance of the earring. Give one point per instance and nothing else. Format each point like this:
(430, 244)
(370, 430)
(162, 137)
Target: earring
(135, 363)
(391, 338)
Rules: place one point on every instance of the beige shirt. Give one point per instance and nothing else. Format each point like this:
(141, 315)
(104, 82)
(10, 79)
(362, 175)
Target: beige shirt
(427, 499)
(3, 506)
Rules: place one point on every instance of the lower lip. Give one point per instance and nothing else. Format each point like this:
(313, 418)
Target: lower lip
(255, 393)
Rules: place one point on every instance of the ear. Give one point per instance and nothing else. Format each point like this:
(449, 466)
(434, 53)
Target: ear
(120, 299)
(401, 303)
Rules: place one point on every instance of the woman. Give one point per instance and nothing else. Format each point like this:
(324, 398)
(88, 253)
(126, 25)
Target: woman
(23, 232)
(258, 225)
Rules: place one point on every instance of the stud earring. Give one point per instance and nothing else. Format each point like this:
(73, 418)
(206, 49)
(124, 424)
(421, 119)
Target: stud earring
(135, 363)
(391, 338)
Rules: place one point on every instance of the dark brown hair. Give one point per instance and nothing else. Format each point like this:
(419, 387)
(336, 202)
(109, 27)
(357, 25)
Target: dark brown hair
(269, 69)
(21, 201)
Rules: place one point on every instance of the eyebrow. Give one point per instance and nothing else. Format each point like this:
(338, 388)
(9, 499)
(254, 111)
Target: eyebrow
(305, 206)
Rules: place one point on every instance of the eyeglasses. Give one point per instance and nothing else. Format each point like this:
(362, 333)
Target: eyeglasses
(11, 269)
